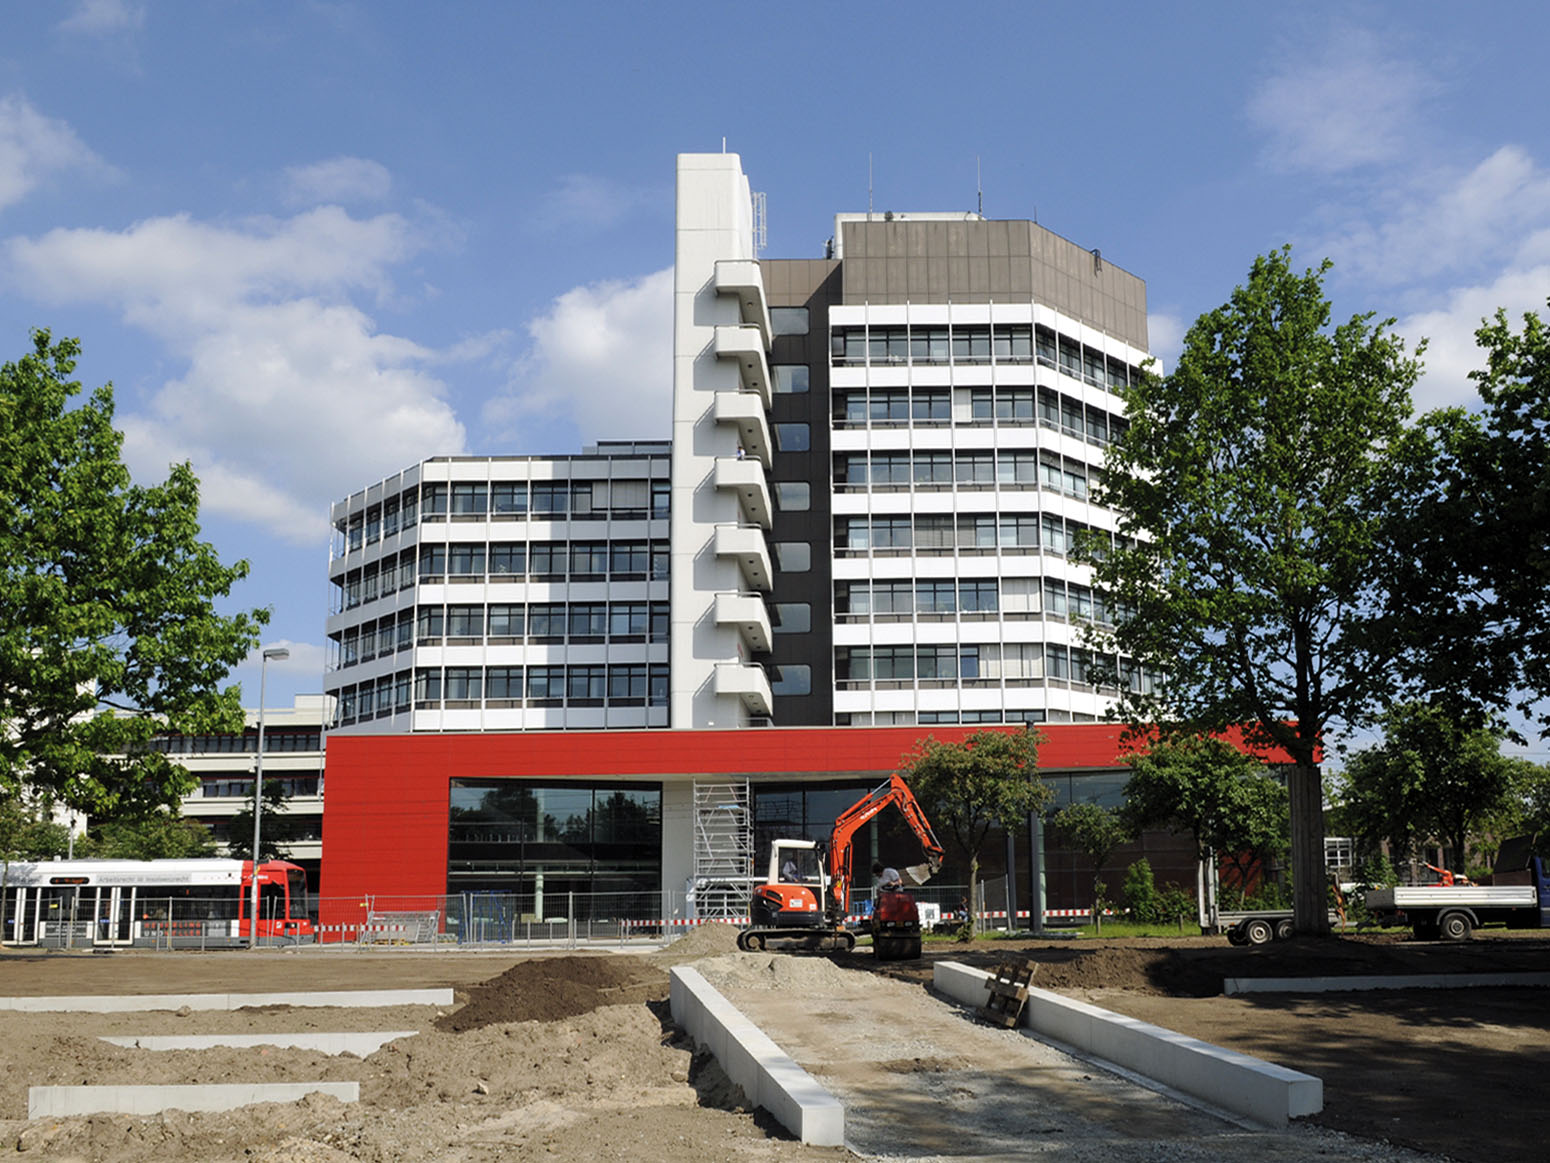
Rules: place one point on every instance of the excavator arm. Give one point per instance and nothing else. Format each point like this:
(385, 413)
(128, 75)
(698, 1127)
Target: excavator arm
(896, 793)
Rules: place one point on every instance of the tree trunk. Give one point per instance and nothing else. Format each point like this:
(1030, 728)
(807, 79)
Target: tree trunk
(972, 907)
(1310, 908)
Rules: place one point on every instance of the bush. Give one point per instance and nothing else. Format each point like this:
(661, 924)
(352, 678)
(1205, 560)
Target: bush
(1174, 902)
(1140, 892)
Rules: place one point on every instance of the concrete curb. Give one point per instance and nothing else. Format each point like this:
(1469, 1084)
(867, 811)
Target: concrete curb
(227, 1001)
(63, 1101)
(766, 1074)
(1246, 1086)
(1393, 981)
(358, 1044)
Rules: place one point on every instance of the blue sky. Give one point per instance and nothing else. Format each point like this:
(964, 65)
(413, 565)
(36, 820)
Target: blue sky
(312, 243)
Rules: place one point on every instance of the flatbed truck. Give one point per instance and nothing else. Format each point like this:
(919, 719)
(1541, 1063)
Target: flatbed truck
(1518, 897)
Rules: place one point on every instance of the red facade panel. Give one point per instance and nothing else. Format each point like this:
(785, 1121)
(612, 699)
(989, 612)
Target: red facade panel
(385, 809)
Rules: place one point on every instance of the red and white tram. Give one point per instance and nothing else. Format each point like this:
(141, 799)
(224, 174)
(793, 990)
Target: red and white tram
(61, 904)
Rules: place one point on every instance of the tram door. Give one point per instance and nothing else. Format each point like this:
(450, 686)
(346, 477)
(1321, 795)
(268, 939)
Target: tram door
(115, 915)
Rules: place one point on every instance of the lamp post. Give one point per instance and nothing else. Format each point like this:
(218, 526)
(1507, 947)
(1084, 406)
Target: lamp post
(279, 654)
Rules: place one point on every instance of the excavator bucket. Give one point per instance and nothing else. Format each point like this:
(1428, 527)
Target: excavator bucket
(919, 873)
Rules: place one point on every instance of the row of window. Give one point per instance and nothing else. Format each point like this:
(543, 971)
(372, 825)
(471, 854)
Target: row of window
(979, 468)
(477, 500)
(896, 407)
(226, 744)
(504, 561)
(452, 687)
(978, 344)
(238, 787)
(504, 623)
(966, 532)
(951, 663)
(945, 596)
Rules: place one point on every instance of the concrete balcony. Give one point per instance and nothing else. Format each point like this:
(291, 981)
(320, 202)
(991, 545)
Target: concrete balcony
(745, 411)
(749, 683)
(744, 345)
(747, 613)
(746, 478)
(742, 277)
(746, 545)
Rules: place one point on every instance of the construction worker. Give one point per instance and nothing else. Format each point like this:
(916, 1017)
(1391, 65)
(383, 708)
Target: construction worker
(886, 879)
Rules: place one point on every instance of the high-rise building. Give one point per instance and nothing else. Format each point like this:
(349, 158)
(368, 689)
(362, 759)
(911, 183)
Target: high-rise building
(879, 461)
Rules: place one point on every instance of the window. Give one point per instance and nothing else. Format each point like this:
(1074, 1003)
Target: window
(588, 620)
(1017, 467)
(546, 559)
(373, 524)
(793, 438)
(793, 556)
(627, 620)
(433, 562)
(1053, 530)
(551, 498)
(939, 661)
(546, 682)
(935, 531)
(427, 687)
(978, 597)
(390, 518)
(659, 621)
(508, 498)
(356, 530)
(503, 683)
(1015, 404)
(433, 501)
(891, 533)
(933, 468)
(1020, 531)
(794, 496)
(585, 684)
(401, 687)
(507, 559)
(1056, 604)
(628, 499)
(793, 617)
(890, 406)
(466, 561)
(588, 559)
(657, 681)
(629, 557)
(790, 377)
(430, 624)
(977, 531)
(791, 680)
(975, 468)
(931, 405)
(661, 498)
(465, 621)
(464, 684)
(507, 621)
(404, 631)
(546, 620)
(891, 468)
(935, 597)
(1057, 662)
(627, 685)
(469, 499)
(788, 320)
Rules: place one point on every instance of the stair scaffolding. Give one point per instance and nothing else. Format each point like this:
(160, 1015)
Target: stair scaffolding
(723, 849)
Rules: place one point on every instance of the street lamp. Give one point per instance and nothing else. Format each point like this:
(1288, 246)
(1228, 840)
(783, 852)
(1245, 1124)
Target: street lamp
(279, 654)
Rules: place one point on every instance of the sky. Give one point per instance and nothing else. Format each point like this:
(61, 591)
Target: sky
(314, 243)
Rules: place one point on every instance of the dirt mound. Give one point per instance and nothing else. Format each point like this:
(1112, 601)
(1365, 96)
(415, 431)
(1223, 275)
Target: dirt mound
(551, 988)
(709, 940)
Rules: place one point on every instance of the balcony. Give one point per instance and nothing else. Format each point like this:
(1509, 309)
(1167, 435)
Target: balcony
(746, 545)
(746, 478)
(747, 613)
(741, 277)
(744, 345)
(746, 411)
(748, 682)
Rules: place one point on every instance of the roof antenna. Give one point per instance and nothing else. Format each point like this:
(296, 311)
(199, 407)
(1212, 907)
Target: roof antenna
(869, 187)
(723, 143)
(979, 188)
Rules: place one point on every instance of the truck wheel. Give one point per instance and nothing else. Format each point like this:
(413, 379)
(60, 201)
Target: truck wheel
(1455, 926)
(1235, 936)
(1258, 932)
(1284, 930)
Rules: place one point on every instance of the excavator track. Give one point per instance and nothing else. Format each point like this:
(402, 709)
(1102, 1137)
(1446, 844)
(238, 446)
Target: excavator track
(796, 940)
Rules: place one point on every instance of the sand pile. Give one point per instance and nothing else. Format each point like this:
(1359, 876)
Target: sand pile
(550, 988)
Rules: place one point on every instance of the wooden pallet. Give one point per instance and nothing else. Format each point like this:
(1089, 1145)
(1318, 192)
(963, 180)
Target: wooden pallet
(1008, 987)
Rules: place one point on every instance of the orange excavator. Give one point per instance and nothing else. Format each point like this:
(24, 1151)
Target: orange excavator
(806, 896)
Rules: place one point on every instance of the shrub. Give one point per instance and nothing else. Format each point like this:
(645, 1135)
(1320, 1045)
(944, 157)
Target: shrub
(1140, 892)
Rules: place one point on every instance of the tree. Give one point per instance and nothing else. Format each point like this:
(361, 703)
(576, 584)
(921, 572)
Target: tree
(278, 827)
(1097, 831)
(28, 834)
(1466, 540)
(157, 836)
(108, 627)
(989, 780)
(1430, 778)
(1218, 795)
(1243, 485)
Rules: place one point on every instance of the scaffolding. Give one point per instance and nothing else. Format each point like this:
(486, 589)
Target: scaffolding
(723, 849)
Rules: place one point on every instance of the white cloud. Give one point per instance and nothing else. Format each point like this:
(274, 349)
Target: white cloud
(307, 661)
(601, 357)
(1451, 352)
(590, 202)
(103, 18)
(34, 147)
(291, 397)
(1464, 223)
(1165, 335)
(1351, 107)
(340, 179)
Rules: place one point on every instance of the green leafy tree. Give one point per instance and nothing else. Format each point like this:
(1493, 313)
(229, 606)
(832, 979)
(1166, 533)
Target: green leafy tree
(990, 780)
(277, 828)
(1466, 539)
(157, 836)
(1431, 777)
(1243, 486)
(29, 834)
(1096, 831)
(108, 626)
(1208, 789)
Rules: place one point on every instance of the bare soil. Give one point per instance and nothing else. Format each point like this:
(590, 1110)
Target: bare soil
(573, 1056)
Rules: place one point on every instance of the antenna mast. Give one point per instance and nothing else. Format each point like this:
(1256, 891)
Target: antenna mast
(979, 189)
